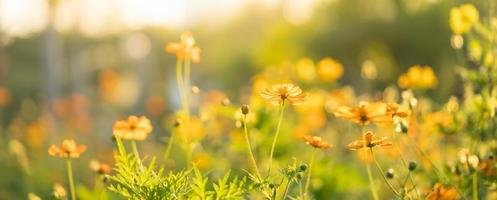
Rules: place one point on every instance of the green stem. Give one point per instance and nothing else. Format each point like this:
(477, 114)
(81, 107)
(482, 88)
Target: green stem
(475, 186)
(282, 109)
(169, 147)
(287, 187)
(179, 79)
(137, 155)
(308, 181)
(71, 179)
(383, 174)
(249, 147)
(404, 163)
(372, 186)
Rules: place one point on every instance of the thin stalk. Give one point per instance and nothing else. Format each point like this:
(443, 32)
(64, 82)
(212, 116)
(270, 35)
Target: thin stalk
(286, 189)
(169, 147)
(249, 147)
(475, 186)
(372, 186)
(137, 155)
(404, 163)
(282, 109)
(71, 179)
(383, 174)
(186, 91)
(179, 80)
(308, 181)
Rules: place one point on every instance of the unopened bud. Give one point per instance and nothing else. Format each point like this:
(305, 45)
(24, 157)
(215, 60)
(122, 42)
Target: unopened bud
(245, 109)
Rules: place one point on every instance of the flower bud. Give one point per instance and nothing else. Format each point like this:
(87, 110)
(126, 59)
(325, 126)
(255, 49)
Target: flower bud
(303, 167)
(390, 173)
(245, 109)
(412, 165)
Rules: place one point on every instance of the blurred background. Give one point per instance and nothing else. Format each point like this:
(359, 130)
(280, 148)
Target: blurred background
(72, 67)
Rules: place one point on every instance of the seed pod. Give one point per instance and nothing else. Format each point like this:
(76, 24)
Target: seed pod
(390, 173)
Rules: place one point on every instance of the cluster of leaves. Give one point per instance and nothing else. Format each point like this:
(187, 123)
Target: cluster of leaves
(132, 180)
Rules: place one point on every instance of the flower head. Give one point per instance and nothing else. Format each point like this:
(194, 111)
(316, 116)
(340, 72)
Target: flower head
(317, 142)
(462, 18)
(420, 77)
(439, 192)
(329, 70)
(369, 141)
(364, 114)
(100, 168)
(185, 48)
(68, 149)
(134, 128)
(280, 93)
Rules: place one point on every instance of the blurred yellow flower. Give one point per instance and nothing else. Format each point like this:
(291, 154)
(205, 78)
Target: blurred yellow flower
(369, 141)
(439, 192)
(365, 113)
(99, 167)
(317, 142)
(280, 93)
(368, 70)
(329, 70)
(185, 49)
(4, 96)
(59, 192)
(418, 77)
(69, 149)
(134, 128)
(462, 18)
(306, 70)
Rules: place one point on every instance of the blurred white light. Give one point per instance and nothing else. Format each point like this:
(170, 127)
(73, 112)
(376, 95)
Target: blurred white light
(137, 45)
(298, 12)
(22, 17)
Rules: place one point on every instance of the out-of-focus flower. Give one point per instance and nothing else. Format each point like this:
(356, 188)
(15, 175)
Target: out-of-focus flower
(456, 41)
(368, 70)
(329, 70)
(192, 130)
(306, 71)
(278, 94)
(109, 85)
(369, 141)
(59, 192)
(100, 168)
(462, 18)
(134, 128)
(32, 196)
(489, 167)
(467, 159)
(339, 97)
(195, 90)
(418, 77)
(4, 96)
(18, 149)
(317, 142)
(68, 149)
(365, 113)
(155, 105)
(185, 48)
(440, 192)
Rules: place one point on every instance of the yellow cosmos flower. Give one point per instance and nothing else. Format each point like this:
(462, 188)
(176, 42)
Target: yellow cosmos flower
(306, 70)
(278, 94)
(462, 18)
(317, 142)
(68, 149)
(329, 70)
(134, 128)
(439, 192)
(418, 77)
(365, 113)
(369, 141)
(185, 48)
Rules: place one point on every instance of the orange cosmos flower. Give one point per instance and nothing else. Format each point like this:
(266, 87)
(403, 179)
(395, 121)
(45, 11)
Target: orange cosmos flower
(364, 114)
(100, 168)
(185, 48)
(317, 142)
(441, 193)
(280, 93)
(134, 128)
(69, 149)
(369, 141)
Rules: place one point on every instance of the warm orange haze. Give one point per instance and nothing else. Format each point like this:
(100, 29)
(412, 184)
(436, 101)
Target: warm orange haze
(239, 99)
